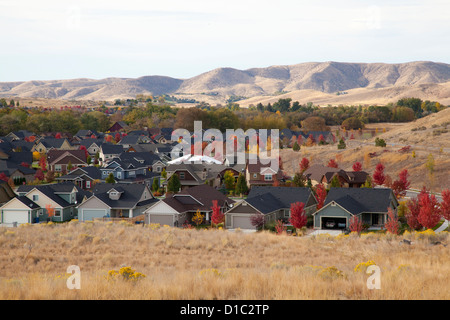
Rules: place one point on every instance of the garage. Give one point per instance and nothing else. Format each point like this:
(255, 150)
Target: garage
(333, 223)
(162, 219)
(91, 214)
(241, 222)
(19, 216)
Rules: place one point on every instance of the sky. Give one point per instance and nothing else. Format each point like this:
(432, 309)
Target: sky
(59, 39)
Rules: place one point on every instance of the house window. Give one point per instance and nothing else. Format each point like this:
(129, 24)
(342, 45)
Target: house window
(182, 175)
(35, 197)
(255, 175)
(57, 212)
(267, 177)
(57, 167)
(158, 169)
(119, 175)
(287, 213)
(88, 184)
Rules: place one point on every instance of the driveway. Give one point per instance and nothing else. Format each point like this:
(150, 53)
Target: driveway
(329, 232)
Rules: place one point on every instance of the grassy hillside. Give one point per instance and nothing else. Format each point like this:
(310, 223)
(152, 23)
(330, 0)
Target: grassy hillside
(433, 137)
(216, 264)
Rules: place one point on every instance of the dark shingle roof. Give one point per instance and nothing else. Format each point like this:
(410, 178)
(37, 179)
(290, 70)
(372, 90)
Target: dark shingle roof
(112, 148)
(130, 197)
(359, 200)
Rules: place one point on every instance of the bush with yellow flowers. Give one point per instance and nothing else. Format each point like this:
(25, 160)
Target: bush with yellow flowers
(362, 267)
(125, 273)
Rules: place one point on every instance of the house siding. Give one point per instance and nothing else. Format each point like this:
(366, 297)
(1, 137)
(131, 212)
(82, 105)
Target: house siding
(330, 211)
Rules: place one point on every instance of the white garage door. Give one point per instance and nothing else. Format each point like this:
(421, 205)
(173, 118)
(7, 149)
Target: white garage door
(162, 219)
(242, 222)
(10, 216)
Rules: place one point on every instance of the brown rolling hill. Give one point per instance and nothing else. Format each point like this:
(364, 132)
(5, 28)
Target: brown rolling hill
(318, 82)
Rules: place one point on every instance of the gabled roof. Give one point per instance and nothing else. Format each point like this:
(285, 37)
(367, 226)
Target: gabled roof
(56, 155)
(359, 200)
(284, 196)
(129, 198)
(52, 142)
(112, 148)
(52, 190)
(90, 171)
(29, 203)
(197, 198)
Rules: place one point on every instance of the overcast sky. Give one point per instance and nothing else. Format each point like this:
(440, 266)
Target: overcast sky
(58, 39)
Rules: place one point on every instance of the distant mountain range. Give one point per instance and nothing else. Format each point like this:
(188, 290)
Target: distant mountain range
(326, 77)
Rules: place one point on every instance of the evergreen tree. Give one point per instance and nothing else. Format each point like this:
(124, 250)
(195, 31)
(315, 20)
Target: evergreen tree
(296, 147)
(174, 184)
(110, 178)
(241, 185)
(341, 144)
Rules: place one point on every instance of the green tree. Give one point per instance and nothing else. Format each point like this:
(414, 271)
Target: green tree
(296, 147)
(380, 142)
(228, 179)
(174, 184)
(335, 182)
(341, 144)
(110, 178)
(155, 185)
(299, 180)
(241, 185)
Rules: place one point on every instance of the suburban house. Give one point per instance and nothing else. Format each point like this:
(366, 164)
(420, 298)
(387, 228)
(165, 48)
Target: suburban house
(19, 210)
(369, 204)
(322, 174)
(178, 209)
(22, 173)
(109, 151)
(19, 135)
(118, 126)
(84, 177)
(44, 145)
(259, 174)
(123, 169)
(116, 200)
(151, 161)
(61, 160)
(61, 197)
(86, 133)
(92, 145)
(189, 174)
(272, 202)
(132, 139)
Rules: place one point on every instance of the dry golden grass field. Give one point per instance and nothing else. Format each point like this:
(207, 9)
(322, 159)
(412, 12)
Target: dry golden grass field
(181, 264)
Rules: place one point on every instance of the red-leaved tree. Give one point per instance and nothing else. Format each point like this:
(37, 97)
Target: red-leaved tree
(58, 135)
(445, 204)
(392, 224)
(85, 150)
(356, 224)
(332, 164)
(39, 175)
(217, 216)
(413, 214)
(321, 194)
(3, 177)
(298, 216)
(430, 213)
(43, 163)
(280, 228)
(378, 176)
(257, 220)
(400, 186)
(304, 164)
(357, 166)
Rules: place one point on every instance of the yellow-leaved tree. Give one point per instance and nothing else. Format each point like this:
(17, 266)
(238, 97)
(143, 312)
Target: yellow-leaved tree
(198, 218)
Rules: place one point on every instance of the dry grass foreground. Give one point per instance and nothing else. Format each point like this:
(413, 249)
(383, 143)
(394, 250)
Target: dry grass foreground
(215, 264)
